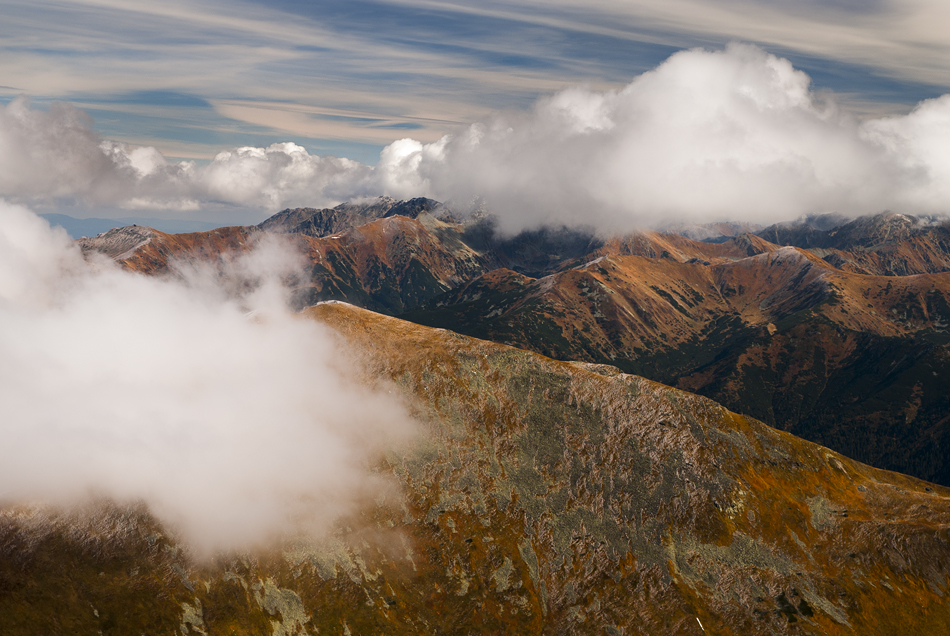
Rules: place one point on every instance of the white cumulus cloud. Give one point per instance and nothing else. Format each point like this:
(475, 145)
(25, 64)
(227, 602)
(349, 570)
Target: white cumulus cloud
(55, 155)
(232, 418)
(729, 135)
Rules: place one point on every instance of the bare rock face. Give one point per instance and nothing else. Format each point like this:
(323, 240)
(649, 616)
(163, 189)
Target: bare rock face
(545, 498)
(326, 221)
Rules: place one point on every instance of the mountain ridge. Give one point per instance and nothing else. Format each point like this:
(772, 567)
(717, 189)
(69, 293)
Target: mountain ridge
(889, 243)
(810, 340)
(546, 497)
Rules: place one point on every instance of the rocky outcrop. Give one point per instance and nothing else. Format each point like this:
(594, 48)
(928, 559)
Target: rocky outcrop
(118, 244)
(326, 221)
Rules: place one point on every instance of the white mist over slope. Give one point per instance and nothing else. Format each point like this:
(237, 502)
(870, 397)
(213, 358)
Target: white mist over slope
(736, 134)
(233, 419)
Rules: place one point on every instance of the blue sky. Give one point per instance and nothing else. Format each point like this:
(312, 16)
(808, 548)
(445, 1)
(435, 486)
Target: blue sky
(347, 78)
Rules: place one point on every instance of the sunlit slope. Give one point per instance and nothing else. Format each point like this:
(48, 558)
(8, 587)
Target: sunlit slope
(854, 361)
(546, 497)
(389, 264)
(803, 339)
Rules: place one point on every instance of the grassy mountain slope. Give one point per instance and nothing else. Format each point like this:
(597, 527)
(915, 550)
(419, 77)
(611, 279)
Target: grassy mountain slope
(853, 361)
(546, 498)
(826, 342)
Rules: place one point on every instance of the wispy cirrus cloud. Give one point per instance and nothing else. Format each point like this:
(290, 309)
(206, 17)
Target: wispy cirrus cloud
(319, 74)
(267, 73)
(904, 38)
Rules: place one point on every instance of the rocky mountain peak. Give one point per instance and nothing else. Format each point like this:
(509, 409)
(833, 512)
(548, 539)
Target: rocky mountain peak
(119, 243)
(875, 230)
(326, 221)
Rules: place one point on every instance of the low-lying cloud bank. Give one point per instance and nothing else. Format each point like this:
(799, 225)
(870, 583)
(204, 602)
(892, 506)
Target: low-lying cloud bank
(204, 396)
(735, 134)
(53, 155)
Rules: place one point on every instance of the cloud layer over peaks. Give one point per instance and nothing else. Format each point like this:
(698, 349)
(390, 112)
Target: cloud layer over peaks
(736, 134)
(47, 157)
(233, 419)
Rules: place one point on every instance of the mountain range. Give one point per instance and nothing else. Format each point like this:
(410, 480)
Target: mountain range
(833, 329)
